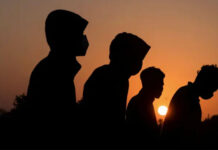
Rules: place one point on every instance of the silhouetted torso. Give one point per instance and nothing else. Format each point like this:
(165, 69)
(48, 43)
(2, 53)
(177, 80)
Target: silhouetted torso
(141, 119)
(104, 98)
(51, 89)
(183, 117)
(105, 92)
(50, 108)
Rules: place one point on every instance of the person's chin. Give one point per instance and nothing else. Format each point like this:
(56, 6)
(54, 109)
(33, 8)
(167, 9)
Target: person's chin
(81, 55)
(206, 97)
(158, 96)
(135, 72)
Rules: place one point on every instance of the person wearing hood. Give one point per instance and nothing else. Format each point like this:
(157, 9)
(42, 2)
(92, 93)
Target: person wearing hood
(51, 100)
(105, 92)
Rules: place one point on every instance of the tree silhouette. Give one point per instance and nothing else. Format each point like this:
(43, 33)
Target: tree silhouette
(19, 100)
(2, 111)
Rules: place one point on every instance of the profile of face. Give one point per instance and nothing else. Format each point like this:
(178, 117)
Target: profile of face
(127, 51)
(207, 93)
(206, 81)
(85, 45)
(82, 46)
(132, 64)
(153, 81)
(74, 47)
(159, 88)
(64, 33)
(135, 67)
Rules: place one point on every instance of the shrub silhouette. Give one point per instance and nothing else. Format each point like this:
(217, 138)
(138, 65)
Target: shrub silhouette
(208, 131)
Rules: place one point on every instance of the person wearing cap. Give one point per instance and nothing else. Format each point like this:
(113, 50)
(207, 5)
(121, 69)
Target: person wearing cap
(105, 92)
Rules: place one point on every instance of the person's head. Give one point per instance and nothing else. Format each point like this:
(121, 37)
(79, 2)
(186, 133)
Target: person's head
(152, 81)
(64, 33)
(128, 51)
(207, 81)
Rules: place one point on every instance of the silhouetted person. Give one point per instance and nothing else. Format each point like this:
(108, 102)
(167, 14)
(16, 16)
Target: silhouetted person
(105, 92)
(184, 115)
(51, 101)
(140, 116)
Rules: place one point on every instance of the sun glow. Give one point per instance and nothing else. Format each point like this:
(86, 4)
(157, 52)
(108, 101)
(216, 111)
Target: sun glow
(162, 110)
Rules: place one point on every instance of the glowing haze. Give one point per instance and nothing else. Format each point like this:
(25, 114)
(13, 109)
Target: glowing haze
(182, 34)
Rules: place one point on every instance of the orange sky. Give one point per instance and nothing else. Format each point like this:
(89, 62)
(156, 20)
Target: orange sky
(182, 34)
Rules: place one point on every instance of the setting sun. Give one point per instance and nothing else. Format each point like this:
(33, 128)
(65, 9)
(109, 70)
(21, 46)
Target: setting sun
(162, 110)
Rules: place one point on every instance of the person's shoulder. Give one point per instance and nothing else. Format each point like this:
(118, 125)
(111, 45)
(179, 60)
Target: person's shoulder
(133, 102)
(41, 67)
(181, 94)
(130, 107)
(101, 71)
(182, 90)
(97, 74)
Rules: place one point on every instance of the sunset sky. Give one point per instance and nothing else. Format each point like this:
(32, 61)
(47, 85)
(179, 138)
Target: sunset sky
(182, 34)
